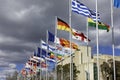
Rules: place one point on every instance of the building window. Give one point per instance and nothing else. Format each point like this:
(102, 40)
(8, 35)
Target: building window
(81, 58)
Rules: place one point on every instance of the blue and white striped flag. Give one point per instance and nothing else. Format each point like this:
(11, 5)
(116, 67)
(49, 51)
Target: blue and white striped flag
(80, 8)
(46, 46)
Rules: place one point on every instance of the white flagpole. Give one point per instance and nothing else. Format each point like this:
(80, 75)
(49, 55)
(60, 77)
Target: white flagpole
(113, 47)
(62, 71)
(32, 70)
(55, 47)
(71, 58)
(36, 66)
(97, 33)
(87, 48)
(40, 61)
(47, 56)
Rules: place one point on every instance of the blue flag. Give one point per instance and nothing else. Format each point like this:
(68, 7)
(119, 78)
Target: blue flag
(80, 8)
(41, 52)
(38, 52)
(51, 37)
(51, 65)
(117, 3)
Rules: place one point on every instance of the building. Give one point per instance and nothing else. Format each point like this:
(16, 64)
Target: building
(87, 64)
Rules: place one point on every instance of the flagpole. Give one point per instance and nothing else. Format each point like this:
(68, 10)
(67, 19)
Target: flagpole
(32, 70)
(32, 67)
(55, 46)
(87, 48)
(71, 59)
(40, 61)
(97, 38)
(36, 67)
(113, 47)
(47, 56)
(62, 71)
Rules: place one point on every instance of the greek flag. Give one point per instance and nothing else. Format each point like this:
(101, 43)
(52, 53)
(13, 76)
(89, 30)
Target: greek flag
(46, 46)
(80, 8)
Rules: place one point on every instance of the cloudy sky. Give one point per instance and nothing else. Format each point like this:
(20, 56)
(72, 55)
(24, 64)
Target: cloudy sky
(23, 23)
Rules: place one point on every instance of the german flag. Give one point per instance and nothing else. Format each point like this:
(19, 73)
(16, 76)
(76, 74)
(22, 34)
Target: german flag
(61, 25)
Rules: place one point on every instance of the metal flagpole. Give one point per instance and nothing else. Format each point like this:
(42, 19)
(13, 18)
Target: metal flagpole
(62, 71)
(88, 77)
(36, 67)
(71, 60)
(97, 33)
(47, 56)
(113, 47)
(31, 67)
(32, 70)
(55, 47)
(40, 61)
(62, 66)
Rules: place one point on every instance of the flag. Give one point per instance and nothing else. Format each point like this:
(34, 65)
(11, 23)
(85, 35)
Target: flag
(38, 58)
(27, 65)
(41, 52)
(51, 65)
(34, 68)
(101, 26)
(47, 56)
(117, 3)
(79, 36)
(31, 72)
(49, 59)
(51, 55)
(38, 52)
(53, 38)
(59, 57)
(37, 55)
(63, 50)
(61, 25)
(46, 46)
(33, 59)
(66, 43)
(24, 72)
(55, 55)
(43, 65)
(30, 62)
(61, 41)
(80, 8)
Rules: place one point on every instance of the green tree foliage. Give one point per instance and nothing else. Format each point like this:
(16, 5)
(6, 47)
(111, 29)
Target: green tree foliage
(107, 70)
(12, 77)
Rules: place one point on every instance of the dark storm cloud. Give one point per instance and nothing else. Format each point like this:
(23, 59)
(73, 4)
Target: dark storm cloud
(14, 57)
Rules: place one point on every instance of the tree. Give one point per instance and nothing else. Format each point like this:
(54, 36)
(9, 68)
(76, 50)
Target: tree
(107, 70)
(66, 72)
(12, 77)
